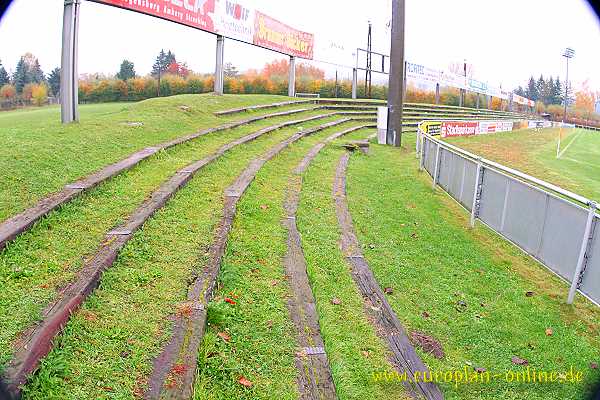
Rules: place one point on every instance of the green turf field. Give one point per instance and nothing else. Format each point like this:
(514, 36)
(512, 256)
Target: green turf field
(534, 152)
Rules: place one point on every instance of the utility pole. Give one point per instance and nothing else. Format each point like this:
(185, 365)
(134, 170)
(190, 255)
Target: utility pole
(569, 53)
(396, 76)
(369, 64)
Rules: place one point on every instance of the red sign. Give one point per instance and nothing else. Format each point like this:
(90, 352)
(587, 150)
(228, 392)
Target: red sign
(194, 13)
(275, 35)
(459, 128)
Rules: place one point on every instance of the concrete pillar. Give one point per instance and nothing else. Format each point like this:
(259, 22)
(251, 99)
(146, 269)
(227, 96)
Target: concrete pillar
(437, 93)
(292, 77)
(477, 101)
(510, 102)
(219, 66)
(69, 82)
(461, 97)
(354, 82)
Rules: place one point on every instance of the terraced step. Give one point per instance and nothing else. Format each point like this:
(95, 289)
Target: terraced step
(261, 107)
(182, 349)
(38, 341)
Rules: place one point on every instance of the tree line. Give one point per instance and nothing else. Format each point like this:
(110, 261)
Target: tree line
(28, 83)
(548, 91)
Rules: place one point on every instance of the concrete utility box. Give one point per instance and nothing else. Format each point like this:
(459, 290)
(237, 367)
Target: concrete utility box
(382, 119)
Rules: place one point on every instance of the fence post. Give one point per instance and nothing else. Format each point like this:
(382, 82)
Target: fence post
(422, 161)
(219, 72)
(582, 260)
(437, 93)
(354, 82)
(437, 165)
(477, 193)
(477, 101)
(69, 86)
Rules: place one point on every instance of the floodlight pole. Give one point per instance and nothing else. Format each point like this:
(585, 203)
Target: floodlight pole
(569, 53)
(396, 76)
(69, 86)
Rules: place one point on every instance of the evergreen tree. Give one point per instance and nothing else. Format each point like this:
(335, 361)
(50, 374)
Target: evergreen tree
(36, 74)
(548, 91)
(531, 92)
(4, 78)
(54, 81)
(21, 75)
(162, 62)
(519, 91)
(540, 86)
(557, 92)
(127, 70)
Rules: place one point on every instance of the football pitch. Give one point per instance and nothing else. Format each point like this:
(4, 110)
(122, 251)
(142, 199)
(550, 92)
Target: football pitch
(577, 167)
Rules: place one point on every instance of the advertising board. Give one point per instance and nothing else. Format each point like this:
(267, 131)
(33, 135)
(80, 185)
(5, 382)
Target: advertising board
(231, 19)
(495, 126)
(459, 128)
(421, 73)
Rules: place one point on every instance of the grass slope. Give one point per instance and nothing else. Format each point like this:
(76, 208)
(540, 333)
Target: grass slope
(467, 288)
(47, 257)
(535, 153)
(40, 155)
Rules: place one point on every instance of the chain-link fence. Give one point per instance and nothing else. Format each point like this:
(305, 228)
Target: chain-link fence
(556, 227)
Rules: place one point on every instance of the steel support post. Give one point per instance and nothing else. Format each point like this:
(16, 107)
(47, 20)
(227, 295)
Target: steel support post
(436, 169)
(437, 93)
(354, 82)
(219, 66)
(292, 77)
(583, 256)
(69, 86)
(477, 193)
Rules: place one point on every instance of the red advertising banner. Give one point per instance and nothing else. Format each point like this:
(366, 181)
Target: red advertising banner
(194, 13)
(275, 35)
(459, 128)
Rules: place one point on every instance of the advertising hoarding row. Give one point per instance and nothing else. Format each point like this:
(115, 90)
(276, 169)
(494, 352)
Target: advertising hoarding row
(228, 18)
(468, 128)
(523, 100)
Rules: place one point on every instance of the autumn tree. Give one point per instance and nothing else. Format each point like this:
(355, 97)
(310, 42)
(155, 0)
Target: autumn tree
(54, 81)
(177, 68)
(127, 71)
(163, 60)
(39, 94)
(7, 92)
(585, 99)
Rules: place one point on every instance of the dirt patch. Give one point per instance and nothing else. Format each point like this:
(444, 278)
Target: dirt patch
(428, 344)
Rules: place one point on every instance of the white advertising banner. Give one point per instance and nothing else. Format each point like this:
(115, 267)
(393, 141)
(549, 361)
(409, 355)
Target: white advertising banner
(421, 73)
(495, 126)
(540, 124)
(452, 80)
(234, 20)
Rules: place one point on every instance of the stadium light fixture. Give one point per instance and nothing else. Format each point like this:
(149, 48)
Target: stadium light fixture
(568, 53)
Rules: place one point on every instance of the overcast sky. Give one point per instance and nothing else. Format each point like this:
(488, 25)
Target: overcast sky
(506, 41)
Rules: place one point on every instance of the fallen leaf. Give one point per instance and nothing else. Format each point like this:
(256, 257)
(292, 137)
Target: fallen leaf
(549, 331)
(228, 300)
(366, 353)
(270, 324)
(388, 290)
(480, 370)
(264, 206)
(244, 382)
(179, 369)
(414, 235)
(529, 294)
(425, 314)
(224, 335)
(594, 365)
(274, 282)
(519, 361)
(482, 304)
(336, 301)
(301, 354)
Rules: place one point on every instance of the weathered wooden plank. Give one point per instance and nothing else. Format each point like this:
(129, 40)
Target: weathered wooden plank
(182, 349)
(38, 342)
(14, 226)
(387, 325)
(261, 107)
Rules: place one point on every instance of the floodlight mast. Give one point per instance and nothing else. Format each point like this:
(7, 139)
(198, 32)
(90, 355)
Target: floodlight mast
(568, 53)
(396, 76)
